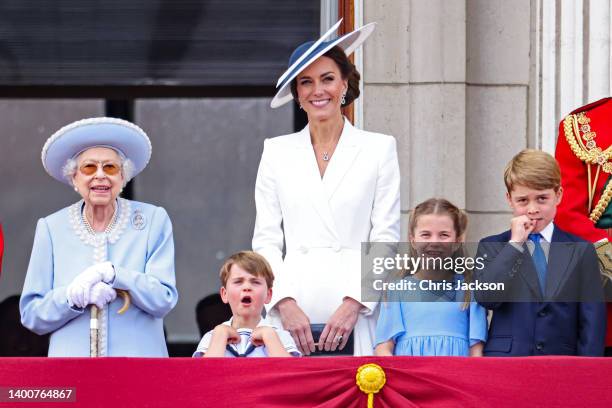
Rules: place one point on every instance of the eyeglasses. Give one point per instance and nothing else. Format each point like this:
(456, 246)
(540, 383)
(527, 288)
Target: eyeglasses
(110, 169)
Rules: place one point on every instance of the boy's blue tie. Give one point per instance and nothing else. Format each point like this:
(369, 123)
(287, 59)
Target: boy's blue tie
(539, 259)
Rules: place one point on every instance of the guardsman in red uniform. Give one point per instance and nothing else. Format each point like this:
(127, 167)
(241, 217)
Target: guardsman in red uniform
(584, 153)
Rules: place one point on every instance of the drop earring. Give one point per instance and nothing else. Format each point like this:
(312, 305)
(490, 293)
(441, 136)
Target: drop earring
(343, 100)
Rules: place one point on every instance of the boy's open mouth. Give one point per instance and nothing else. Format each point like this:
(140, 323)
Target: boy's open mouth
(245, 300)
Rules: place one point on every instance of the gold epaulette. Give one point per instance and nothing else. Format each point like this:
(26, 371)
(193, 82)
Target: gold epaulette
(581, 139)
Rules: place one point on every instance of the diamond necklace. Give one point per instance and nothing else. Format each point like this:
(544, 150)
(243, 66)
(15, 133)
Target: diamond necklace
(326, 155)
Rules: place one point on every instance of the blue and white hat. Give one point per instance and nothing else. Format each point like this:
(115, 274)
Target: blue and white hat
(307, 53)
(126, 138)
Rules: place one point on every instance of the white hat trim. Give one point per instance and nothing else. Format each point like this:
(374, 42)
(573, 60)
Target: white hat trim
(283, 96)
(307, 52)
(94, 121)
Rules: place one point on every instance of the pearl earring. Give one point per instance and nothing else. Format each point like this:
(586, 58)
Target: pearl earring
(76, 189)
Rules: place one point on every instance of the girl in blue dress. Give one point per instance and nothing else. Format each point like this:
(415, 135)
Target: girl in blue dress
(436, 318)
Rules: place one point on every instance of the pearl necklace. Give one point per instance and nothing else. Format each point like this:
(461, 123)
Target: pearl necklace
(108, 228)
(112, 232)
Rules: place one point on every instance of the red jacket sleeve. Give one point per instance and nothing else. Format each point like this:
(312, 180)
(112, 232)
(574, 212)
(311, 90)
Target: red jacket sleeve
(572, 212)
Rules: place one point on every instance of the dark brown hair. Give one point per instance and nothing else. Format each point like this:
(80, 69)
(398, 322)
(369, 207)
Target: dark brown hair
(347, 70)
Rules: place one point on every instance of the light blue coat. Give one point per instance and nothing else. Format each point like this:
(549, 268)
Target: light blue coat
(143, 258)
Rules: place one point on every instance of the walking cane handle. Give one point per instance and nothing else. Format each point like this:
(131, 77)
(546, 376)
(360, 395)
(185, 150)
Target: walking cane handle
(126, 300)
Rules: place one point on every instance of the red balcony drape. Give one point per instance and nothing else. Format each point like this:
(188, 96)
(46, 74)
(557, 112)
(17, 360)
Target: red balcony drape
(317, 382)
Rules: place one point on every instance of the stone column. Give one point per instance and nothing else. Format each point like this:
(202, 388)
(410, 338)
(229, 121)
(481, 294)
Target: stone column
(498, 67)
(571, 62)
(464, 85)
(414, 80)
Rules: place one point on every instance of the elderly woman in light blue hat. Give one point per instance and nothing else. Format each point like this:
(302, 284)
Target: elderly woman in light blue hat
(83, 255)
(320, 193)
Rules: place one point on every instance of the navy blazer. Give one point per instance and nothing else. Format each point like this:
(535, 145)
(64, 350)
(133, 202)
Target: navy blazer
(536, 325)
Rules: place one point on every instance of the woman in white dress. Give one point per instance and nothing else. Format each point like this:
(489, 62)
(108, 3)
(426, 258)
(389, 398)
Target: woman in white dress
(321, 192)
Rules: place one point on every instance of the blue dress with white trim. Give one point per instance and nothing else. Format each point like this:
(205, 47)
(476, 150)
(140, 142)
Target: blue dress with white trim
(141, 249)
(438, 327)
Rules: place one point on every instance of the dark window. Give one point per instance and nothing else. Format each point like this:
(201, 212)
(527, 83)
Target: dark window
(151, 42)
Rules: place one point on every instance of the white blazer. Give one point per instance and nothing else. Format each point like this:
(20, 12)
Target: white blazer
(323, 221)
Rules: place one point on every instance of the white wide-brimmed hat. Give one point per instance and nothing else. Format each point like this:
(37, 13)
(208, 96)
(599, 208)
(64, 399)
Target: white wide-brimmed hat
(126, 138)
(307, 53)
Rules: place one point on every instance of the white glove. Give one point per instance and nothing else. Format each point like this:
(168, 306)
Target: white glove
(101, 294)
(77, 292)
(107, 270)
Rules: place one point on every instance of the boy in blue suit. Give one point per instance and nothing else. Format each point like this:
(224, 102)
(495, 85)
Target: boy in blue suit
(552, 297)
